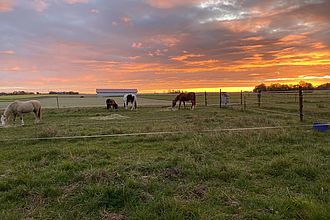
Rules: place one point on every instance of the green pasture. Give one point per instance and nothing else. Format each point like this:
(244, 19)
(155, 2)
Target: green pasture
(198, 173)
(11, 98)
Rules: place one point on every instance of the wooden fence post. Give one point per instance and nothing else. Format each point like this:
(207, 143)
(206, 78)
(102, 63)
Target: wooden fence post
(220, 100)
(244, 106)
(301, 104)
(241, 97)
(57, 102)
(259, 98)
(205, 99)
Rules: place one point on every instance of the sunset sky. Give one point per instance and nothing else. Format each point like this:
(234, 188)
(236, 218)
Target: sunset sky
(156, 45)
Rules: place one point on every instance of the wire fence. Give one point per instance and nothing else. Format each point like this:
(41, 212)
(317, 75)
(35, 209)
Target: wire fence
(305, 105)
(309, 105)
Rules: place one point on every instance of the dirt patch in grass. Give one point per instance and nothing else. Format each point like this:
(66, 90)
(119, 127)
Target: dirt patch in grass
(171, 172)
(109, 117)
(168, 109)
(200, 191)
(113, 216)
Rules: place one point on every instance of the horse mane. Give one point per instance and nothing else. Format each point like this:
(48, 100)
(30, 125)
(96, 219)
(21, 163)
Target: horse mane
(9, 108)
(178, 97)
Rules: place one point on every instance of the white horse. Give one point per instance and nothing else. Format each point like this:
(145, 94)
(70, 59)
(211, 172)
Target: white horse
(18, 108)
(130, 98)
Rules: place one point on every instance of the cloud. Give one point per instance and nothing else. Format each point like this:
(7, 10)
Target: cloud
(40, 5)
(165, 40)
(7, 52)
(298, 78)
(185, 56)
(95, 11)
(170, 3)
(125, 19)
(137, 45)
(7, 5)
(292, 38)
(71, 2)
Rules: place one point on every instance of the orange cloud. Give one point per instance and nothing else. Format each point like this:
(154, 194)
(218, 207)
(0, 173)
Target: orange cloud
(248, 25)
(185, 57)
(166, 4)
(251, 47)
(257, 38)
(318, 45)
(292, 38)
(166, 40)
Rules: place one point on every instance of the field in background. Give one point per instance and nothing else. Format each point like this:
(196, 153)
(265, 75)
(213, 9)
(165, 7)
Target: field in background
(279, 173)
(71, 101)
(316, 103)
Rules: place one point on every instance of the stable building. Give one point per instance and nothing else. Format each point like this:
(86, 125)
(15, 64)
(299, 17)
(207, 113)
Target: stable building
(115, 92)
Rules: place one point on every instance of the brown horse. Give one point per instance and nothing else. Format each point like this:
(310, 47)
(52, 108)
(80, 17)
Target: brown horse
(183, 97)
(111, 104)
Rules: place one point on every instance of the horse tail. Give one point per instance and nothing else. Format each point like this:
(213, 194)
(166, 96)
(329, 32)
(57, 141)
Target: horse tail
(39, 113)
(194, 99)
(135, 104)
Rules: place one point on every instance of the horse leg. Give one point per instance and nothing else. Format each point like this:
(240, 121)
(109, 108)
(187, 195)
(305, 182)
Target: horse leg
(21, 117)
(184, 104)
(36, 120)
(179, 104)
(22, 121)
(14, 119)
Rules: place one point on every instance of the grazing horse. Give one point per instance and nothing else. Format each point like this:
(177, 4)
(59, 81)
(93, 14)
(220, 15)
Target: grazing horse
(111, 104)
(18, 108)
(132, 99)
(183, 97)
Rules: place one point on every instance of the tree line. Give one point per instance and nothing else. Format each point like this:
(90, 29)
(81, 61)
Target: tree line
(37, 93)
(17, 93)
(288, 87)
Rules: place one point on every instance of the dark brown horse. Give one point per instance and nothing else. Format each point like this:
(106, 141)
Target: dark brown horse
(111, 104)
(183, 97)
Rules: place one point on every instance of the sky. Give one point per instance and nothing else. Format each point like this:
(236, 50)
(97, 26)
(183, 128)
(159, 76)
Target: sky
(155, 45)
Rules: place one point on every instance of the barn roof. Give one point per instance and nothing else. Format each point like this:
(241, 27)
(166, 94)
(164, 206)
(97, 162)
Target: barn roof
(116, 90)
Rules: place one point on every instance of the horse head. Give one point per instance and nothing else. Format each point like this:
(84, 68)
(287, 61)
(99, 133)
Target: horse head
(3, 120)
(174, 103)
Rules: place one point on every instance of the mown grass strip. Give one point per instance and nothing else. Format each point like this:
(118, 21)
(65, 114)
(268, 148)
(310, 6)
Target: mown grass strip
(154, 133)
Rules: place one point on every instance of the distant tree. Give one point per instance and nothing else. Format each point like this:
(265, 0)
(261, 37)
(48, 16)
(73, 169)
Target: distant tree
(284, 87)
(261, 87)
(64, 93)
(276, 87)
(324, 86)
(306, 85)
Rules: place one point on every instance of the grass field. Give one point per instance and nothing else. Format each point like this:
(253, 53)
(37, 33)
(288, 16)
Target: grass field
(279, 173)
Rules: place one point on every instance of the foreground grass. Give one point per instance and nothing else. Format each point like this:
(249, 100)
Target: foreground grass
(268, 174)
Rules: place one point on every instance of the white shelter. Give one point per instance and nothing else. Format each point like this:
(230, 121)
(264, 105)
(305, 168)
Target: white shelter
(115, 92)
